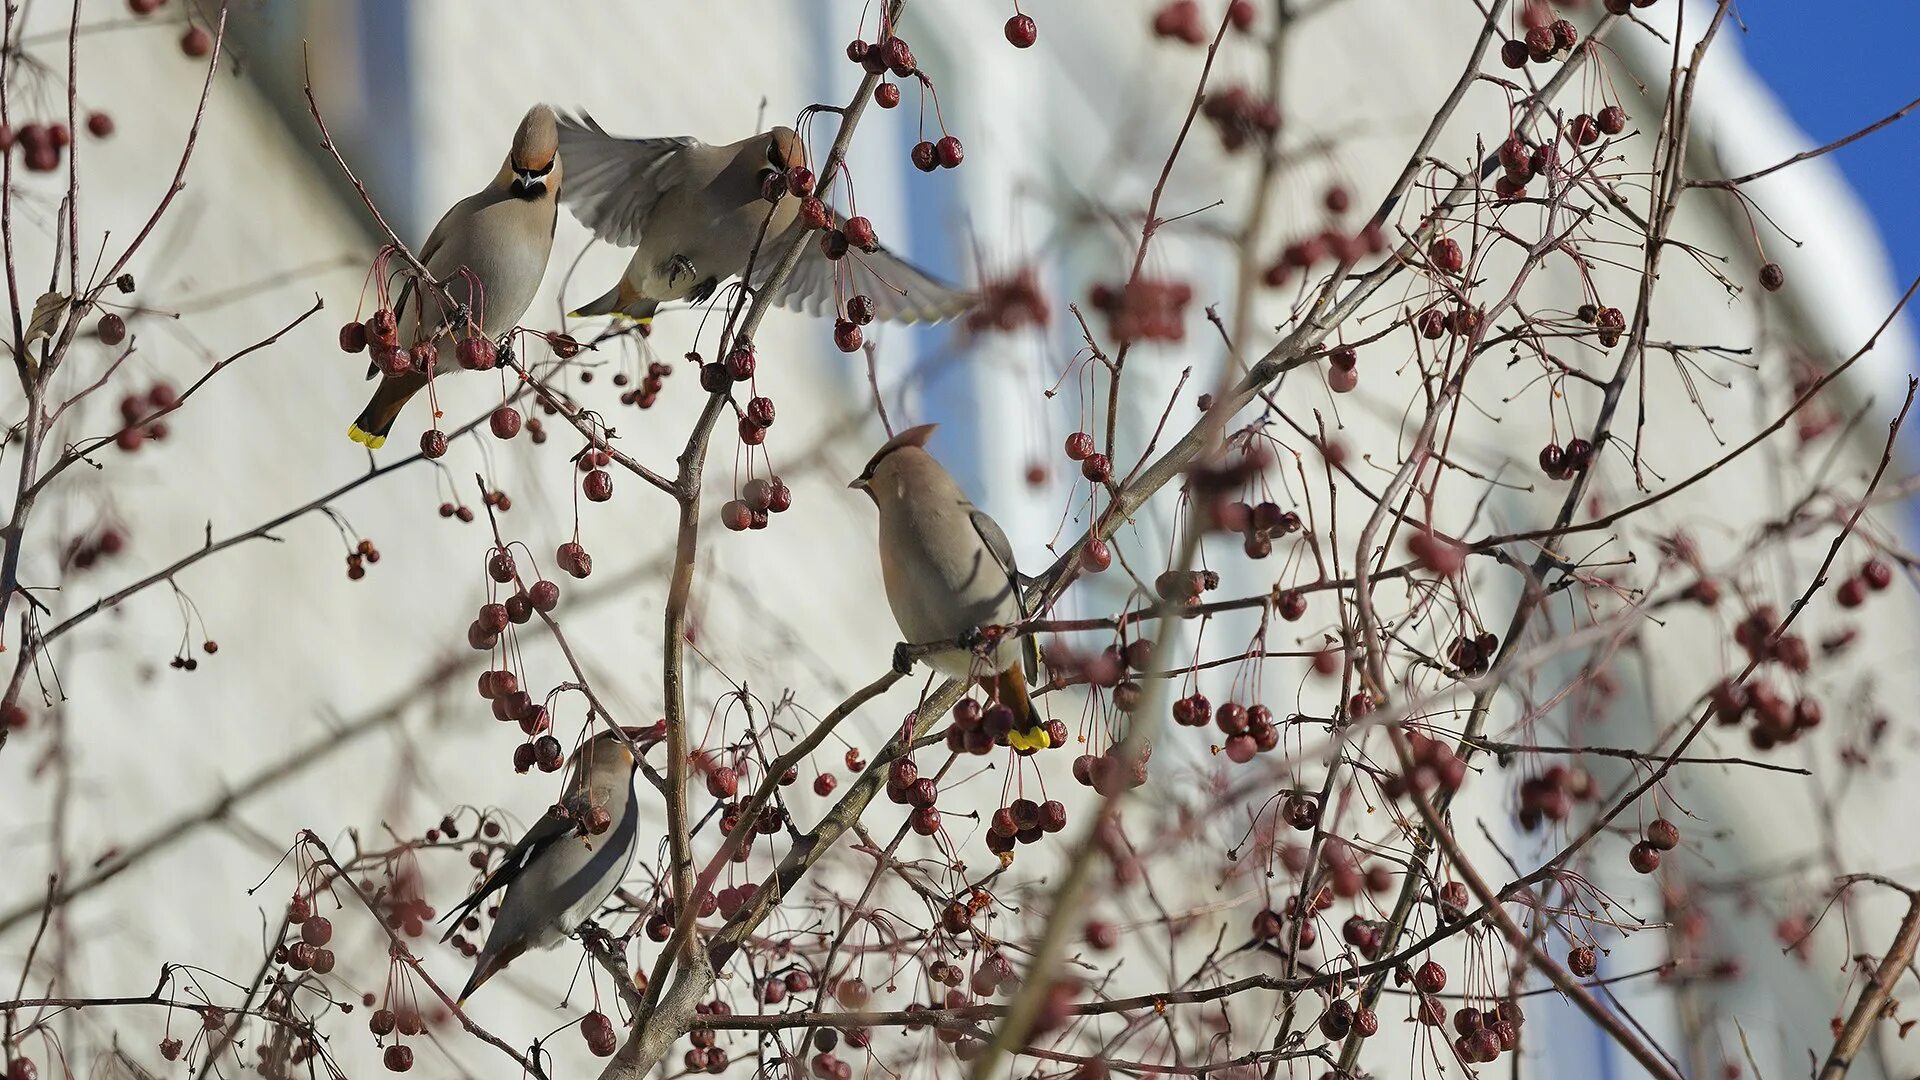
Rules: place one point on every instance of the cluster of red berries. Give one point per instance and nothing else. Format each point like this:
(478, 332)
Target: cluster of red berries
(1661, 835)
(827, 1065)
(1551, 795)
(182, 662)
(1343, 369)
(21, 1068)
(1009, 303)
(1185, 586)
(1439, 555)
(1543, 43)
(1258, 526)
(1874, 575)
(978, 728)
(1024, 821)
(1472, 654)
(1609, 323)
(705, 1056)
(1109, 774)
(1562, 462)
(449, 510)
(1144, 309)
(650, 385)
(1775, 721)
(405, 1020)
(1272, 926)
(1179, 20)
(1435, 768)
(1241, 115)
(738, 367)
(1481, 1036)
(358, 559)
(84, 551)
(775, 988)
(956, 919)
(1248, 730)
(759, 497)
(40, 144)
(310, 953)
(596, 483)
(943, 153)
(1519, 164)
(1328, 244)
(1755, 634)
(574, 559)
(137, 412)
(1095, 466)
(906, 787)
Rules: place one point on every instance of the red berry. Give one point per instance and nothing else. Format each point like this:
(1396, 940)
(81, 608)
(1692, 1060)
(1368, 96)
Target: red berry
(1445, 255)
(111, 330)
(1644, 858)
(505, 422)
(1241, 14)
(1581, 961)
(398, 1058)
(1096, 556)
(860, 234)
(1877, 574)
(847, 336)
(887, 95)
(598, 485)
(1772, 278)
(1097, 468)
(99, 125)
(860, 309)
(1663, 834)
(950, 152)
(1079, 446)
(1612, 120)
(476, 354)
(196, 42)
(353, 337)
(1431, 978)
(1022, 33)
(433, 443)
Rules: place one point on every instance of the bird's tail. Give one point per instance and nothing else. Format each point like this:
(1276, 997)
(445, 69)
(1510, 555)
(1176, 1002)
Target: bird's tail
(371, 427)
(621, 301)
(1010, 689)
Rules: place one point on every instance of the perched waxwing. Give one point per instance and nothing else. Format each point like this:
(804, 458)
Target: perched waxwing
(694, 212)
(501, 235)
(561, 871)
(948, 571)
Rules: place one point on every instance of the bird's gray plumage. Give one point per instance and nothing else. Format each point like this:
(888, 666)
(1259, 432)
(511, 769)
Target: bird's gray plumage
(694, 214)
(556, 876)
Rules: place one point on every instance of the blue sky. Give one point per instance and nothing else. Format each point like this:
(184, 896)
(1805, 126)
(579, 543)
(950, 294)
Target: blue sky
(1839, 65)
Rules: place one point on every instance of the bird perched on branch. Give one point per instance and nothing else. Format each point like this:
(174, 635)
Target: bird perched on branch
(562, 870)
(500, 236)
(695, 214)
(949, 571)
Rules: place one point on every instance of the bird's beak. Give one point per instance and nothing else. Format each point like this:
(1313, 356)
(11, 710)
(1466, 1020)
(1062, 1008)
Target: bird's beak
(528, 184)
(859, 483)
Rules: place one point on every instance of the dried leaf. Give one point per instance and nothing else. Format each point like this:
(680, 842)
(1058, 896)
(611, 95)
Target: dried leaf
(46, 315)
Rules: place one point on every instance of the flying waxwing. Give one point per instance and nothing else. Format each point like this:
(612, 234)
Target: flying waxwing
(502, 235)
(560, 873)
(695, 213)
(949, 570)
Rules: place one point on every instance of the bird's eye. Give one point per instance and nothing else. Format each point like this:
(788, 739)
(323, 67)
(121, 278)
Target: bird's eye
(774, 157)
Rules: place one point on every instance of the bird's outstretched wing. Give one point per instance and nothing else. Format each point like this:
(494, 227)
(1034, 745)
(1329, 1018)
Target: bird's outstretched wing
(996, 540)
(548, 831)
(613, 183)
(901, 291)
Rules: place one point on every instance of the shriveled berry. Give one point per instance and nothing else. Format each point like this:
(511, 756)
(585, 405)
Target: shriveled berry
(505, 422)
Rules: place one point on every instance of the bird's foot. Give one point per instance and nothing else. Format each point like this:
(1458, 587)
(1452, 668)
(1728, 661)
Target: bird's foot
(678, 267)
(972, 638)
(903, 658)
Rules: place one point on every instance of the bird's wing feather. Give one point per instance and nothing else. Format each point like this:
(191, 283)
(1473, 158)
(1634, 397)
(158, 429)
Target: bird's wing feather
(901, 291)
(613, 183)
(549, 830)
(1001, 549)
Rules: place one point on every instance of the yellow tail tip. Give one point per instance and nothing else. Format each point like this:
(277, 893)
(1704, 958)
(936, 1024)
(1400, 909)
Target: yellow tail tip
(1036, 739)
(365, 438)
